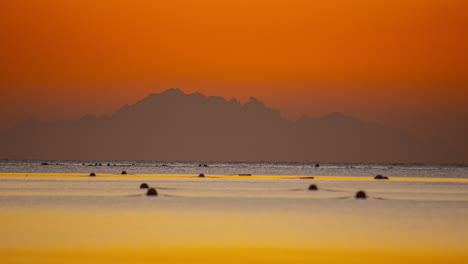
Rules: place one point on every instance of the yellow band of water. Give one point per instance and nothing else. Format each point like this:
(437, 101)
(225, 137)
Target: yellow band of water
(346, 178)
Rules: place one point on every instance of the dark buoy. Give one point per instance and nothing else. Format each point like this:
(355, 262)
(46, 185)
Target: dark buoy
(361, 195)
(92, 174)
(313, 187)
(317, 165)
(152, 192)
(201, 175)
(144, 186)
(199, 165)
(108, 164)
(380, 177)
(124, 172)
(205, 165)
(44, 163)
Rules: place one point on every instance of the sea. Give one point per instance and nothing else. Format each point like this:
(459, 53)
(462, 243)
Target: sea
(54, 212)
(234, 168)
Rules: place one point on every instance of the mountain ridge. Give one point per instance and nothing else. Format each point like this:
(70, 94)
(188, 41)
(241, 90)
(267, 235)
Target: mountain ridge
(173, 125)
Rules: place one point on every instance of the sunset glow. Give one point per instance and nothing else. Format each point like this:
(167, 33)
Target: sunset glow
(399, 63)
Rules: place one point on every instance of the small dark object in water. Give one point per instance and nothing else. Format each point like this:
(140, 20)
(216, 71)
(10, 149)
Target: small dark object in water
(361, 195)
(313, 187)
(317, 165)
(152, 192)
(124, 172)
(199, 165)
(100, 164)
(201, 175)
(245, 174)
(205, 165)
(380, 177)
(83, 164)
(108, 164)
(44, 163)
(92, 174)
(144, 186)
(164, 165)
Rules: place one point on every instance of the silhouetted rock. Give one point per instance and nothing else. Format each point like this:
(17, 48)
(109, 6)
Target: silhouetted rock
(144, 186)
(313, 187)
(380, 177)
(361, 195)
(201, 175)
(44, 163)
(152, 192)
(317, 165)
(92, 174)
(124, 173)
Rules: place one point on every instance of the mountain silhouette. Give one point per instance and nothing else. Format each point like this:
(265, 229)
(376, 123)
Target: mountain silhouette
(172, 125)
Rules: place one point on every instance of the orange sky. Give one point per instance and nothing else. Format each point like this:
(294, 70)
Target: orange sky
(401, 63)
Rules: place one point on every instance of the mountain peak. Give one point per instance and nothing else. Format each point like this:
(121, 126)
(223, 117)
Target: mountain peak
(254, 103)
(173, 91)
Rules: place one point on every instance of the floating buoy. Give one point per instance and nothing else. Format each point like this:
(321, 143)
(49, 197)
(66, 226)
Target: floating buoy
(201, 175)
(313, 187)
(380, 177)
(361, 195)
(92, 174)
(144, 186)
(317, 165)
(44, 163)
(152, 192)
(124, 172)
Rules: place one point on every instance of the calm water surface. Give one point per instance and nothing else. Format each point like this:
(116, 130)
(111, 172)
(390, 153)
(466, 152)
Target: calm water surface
(63, 212)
